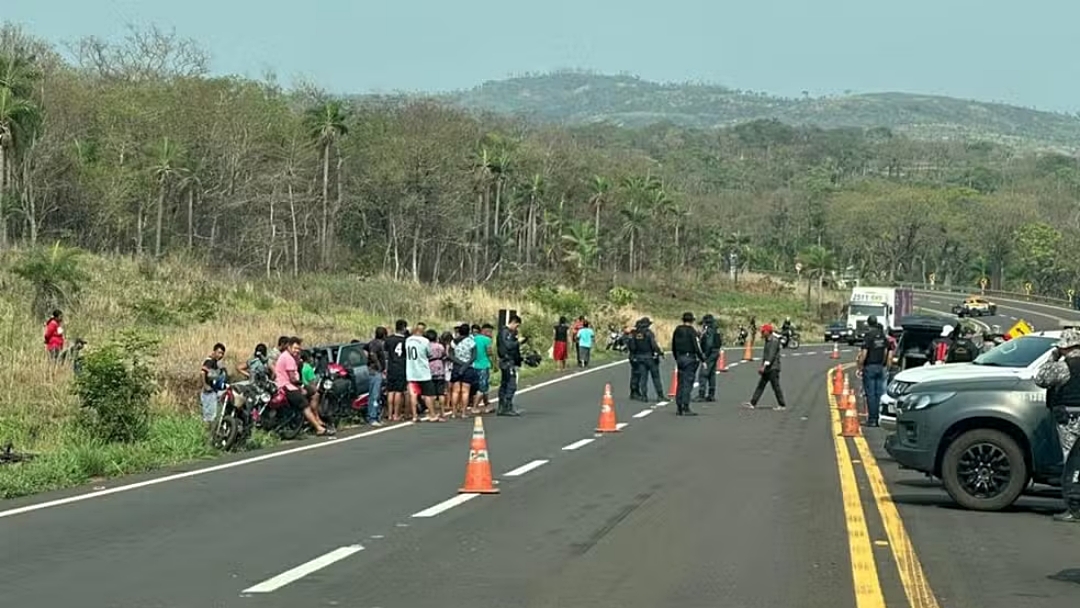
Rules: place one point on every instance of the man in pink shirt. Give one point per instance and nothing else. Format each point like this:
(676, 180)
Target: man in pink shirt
(287, 376)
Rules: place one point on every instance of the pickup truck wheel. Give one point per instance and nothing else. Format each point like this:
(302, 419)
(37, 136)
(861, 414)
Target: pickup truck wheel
(984, 470)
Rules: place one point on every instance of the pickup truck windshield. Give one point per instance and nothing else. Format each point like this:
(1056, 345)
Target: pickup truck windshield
(1020, 352)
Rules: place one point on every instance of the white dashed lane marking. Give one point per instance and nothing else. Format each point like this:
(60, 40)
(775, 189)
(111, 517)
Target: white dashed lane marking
(577, 444)
(446, 505)
(642, 413)
(525, 468)
(299, 572)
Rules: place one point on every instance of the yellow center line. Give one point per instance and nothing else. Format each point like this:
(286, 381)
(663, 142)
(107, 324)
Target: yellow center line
(864, 572)
(912, 576)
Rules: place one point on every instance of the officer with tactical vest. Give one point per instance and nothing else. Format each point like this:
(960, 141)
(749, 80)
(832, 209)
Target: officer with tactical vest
(645, 357)
(1060, 376)
(963, 349)
(711, 343)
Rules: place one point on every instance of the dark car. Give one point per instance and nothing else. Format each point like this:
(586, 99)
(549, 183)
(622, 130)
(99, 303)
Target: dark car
(838, 331)
(351, 355)
(983, 428)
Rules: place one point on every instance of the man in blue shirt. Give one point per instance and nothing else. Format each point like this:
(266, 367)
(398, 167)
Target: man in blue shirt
(585, 342)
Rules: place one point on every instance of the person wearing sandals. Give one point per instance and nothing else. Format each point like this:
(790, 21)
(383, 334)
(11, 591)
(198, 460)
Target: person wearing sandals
(418, 375)
(463, 376)
(287, 376)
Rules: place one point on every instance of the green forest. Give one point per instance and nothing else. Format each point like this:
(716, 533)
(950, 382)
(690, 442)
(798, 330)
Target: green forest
(133, 148)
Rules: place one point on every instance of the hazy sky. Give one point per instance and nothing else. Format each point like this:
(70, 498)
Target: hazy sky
(995, 50)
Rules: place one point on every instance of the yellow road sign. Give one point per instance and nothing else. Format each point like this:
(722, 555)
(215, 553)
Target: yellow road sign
(983, 282)
(1020, 329)
(1028, 287)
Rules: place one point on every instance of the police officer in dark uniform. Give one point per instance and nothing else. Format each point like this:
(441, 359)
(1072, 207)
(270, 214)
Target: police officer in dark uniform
(711, 343)
(963, 349)
(1060, 376)
(686, 348)
(645, 357)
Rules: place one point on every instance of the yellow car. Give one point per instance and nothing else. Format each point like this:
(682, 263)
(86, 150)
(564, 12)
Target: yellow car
(975, 306)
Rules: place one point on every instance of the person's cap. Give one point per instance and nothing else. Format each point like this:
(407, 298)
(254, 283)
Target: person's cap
(767, 328)
(1070, 338)
(708, 318)
(872, 320)
(946, 331)
(644, 322)
(687, 317)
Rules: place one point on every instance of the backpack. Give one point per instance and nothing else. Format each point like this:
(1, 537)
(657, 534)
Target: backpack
(963, 350)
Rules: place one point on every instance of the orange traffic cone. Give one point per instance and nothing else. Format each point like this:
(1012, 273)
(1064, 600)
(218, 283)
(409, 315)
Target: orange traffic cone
(721, 364)
(849, 402)
(674, 383)
(607, 413)
(838, 381)
(478, 471)
(835, 351)
(748, 352)
(847, 386)
(849, 423)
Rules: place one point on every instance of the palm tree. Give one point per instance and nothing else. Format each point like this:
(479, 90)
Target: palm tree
(580, 248)
(326, 124)
(167, 161)
(600, 188)
(55, 275)
(816, 261)
(17, 117)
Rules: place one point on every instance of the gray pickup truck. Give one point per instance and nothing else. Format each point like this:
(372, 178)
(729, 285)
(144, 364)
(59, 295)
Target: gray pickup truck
(983, 427)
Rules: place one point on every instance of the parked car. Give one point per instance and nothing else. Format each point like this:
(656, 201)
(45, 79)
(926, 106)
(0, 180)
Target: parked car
(983, 428)
(975, 307)
(838, 331)
(912, 350)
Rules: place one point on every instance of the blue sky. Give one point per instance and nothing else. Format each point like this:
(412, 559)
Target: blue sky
(994, 50)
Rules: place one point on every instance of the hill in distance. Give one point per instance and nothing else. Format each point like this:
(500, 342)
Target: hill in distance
(575, 97)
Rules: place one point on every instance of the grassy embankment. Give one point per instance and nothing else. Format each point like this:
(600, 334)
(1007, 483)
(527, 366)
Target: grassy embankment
(186, 309)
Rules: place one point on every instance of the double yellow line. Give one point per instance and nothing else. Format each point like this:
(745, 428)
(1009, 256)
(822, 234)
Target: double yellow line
(864, 570)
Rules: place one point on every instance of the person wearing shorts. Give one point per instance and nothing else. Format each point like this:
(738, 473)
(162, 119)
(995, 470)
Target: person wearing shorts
(482, 365)
(463, 377)
(396, 382)
(562, 337)
(287, 377)
(418, 374)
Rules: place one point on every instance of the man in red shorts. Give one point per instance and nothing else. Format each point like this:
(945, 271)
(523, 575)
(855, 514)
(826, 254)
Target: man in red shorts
(562, 337)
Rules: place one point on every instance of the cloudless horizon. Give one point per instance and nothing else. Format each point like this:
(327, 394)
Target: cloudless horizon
(991, 50)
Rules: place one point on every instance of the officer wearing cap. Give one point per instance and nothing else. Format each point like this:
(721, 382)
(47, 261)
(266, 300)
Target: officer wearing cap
(963, 349)
(686, 348)
(645, 356)
(711, 344)
(1060, 376)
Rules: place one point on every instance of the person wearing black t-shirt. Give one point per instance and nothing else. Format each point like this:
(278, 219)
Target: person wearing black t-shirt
(686, 349)
(562, 338)
(395, 369)
(871, 367)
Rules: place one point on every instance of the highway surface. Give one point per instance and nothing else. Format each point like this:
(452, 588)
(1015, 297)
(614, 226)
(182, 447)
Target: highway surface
(732, 508)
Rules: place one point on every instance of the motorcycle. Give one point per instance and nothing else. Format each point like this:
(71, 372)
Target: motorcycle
(339, 398)
(238, 412)
(789, 339)
(617, 340)
(743, 336)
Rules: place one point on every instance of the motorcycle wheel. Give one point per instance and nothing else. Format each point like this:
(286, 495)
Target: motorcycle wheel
(793, 343)
(225, 433)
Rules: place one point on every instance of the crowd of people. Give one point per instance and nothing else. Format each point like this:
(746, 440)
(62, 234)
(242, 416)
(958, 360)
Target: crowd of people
(415, 373)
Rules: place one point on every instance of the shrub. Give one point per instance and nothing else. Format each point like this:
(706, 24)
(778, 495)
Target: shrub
(621, 296)
(561, 301)
(115, 387)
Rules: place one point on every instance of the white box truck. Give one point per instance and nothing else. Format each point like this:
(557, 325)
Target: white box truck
(888, 304)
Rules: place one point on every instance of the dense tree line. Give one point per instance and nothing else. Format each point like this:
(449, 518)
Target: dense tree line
(133, 148)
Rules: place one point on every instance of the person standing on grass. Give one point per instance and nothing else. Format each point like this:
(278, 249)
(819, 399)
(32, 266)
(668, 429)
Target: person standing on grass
(769, 372)
(54, 335)
(462, 373)
(376, 353)
(213, 382)
(559, 347)
(484, 356)
(586, 335)
(418, 374)
(396, 382)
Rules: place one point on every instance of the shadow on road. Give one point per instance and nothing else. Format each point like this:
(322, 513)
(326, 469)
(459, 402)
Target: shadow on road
(944, 502)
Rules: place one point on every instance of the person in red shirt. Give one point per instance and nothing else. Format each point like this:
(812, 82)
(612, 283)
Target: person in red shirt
(54, 335)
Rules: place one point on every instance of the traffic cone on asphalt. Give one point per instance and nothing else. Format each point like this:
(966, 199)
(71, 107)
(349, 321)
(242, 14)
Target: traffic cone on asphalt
(835, 351)
(478, 471)
(849, 423)
(674, 383)
(838, 381)
(721, 363)
(748, 352)
(849, 403)
(847, 386)
(607, 422)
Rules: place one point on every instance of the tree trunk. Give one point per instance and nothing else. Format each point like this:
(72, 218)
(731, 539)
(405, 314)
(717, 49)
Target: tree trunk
(191, 216)
(3, 192)
(139, 231)
(326, 204)
(160, 221)
(273, 233)
(416, 254)
(295, 234)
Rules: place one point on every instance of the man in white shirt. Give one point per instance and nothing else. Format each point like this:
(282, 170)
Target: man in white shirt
(418, 373)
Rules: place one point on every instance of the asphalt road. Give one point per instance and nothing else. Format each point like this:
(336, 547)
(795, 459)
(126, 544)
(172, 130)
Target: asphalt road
(732, 508)
(1039, 316)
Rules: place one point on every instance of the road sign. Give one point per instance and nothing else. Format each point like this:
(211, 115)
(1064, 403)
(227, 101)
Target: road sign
(1020, 329)
(1028, 287)
(932, 277)
(1071, 292)
(798, 267)
(983, 282)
